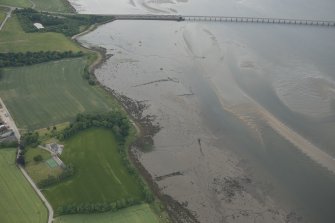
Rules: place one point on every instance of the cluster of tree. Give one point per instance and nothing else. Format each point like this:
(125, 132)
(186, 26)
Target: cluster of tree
(69, 25)
(38, 158)
(9, 144)
(148, 196)
(28, 58)
(114, 120)
(30, 139)
(51, 180)
(20, 160)
(87, 208)
(87, 76)
(146, 192)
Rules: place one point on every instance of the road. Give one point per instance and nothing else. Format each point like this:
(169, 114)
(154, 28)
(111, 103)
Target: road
(5, 115)
(39, 193)
(7, 118)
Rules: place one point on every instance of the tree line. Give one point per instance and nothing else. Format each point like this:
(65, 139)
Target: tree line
(120, 125)
(9, 144)
(27, 139)
(67, 172)
(30, 139)
(69, 25)
(29, 58)
(114, 120)
(87, 208)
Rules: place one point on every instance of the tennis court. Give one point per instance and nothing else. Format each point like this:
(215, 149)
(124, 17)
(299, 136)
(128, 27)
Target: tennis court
(52, 163)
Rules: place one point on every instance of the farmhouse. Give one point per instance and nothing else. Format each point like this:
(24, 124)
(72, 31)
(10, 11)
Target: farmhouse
(55, 148)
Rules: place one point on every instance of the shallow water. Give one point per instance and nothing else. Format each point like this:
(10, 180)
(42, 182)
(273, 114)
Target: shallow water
(323, 9)
(228, 97)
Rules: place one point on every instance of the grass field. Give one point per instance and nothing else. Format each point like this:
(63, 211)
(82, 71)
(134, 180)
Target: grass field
(46, 94)
(18, 201)
(136, 214)
(14, 39)
(100, 174)
(52, 5)
(17, 3)
(2, 14)
(39, 170)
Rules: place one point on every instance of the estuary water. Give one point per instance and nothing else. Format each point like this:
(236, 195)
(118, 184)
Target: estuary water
(247, 110)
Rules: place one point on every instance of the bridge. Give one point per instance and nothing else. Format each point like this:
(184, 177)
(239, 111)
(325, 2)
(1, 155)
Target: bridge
(148, 17)
(226, 19)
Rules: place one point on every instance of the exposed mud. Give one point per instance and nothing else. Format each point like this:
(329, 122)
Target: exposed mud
(178, 212)
(189, 168)
(217, 154)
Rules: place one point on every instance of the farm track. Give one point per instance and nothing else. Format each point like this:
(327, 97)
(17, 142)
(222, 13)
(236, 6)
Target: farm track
(33, 5)
(39, 193)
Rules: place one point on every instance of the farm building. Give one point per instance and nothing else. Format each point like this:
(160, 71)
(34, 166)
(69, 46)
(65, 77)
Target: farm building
(55, 148)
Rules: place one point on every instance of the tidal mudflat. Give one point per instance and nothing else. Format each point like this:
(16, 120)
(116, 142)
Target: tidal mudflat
(246, 112)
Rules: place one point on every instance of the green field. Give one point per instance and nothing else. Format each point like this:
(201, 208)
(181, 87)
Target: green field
(46, 94)
(2, 14)
(136, 214)
(18, 201)
(53, 5)
(14, 39)
(100, 174)
(17, 3)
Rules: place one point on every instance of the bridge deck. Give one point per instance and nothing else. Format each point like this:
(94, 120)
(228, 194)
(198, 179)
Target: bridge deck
(226, 19)
(259, 20)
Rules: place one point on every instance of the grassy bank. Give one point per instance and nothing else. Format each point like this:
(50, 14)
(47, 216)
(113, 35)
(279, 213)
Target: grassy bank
(50, 93)
(16, 3)
(18, 202)
(14, 39)
(43, 5)
(100, 174)
(136, 214)
(53, 6)
(2, 14)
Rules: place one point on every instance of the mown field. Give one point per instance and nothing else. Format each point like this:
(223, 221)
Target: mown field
(14, 39)
(136, 214)
(100, 174)
(17, 3)
(53, 6)
(46, 94)
(18, 201)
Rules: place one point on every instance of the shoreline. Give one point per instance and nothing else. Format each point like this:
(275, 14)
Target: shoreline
(145, 130)
(230, 188)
